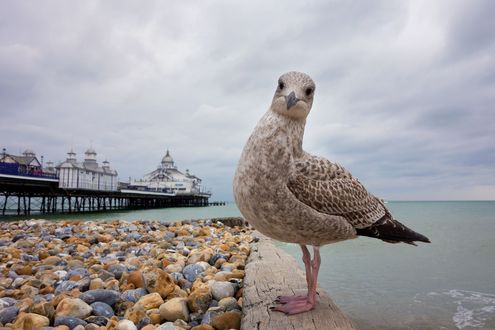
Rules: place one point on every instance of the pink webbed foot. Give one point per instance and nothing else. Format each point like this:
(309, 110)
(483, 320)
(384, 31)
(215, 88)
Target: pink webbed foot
(291, 305)
(295, 306)
(288, 299)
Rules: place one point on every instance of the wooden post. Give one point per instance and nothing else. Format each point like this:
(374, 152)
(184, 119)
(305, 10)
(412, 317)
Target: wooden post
(24, 204)
(270, 272)
(5, 204)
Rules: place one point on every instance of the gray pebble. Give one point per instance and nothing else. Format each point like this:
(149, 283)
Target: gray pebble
(177, 276)
(168, 326)
(133, 295)
(211, 313)
(29, 257)
(192, 271)
(71, 322)
(8, 314)
(65, 286)
(117, 270)
(102, 309)
(64, 232)
(168, 235)
(229, 303)
(7, 302)
(98, 320)
(143, 322)
(83, 284)
(217, 256)
(107, 296)
(105, 275)
(134, 236)
(221, 290)
(83, 272)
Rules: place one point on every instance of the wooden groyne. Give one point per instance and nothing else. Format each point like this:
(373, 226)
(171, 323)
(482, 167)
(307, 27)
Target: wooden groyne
(270, 272)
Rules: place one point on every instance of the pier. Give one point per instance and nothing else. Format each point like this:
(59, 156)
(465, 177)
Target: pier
(23, 195)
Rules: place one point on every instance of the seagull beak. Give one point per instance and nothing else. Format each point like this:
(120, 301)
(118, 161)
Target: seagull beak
(291, 100)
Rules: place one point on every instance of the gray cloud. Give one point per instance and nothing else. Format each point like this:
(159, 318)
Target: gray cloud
(404, 90)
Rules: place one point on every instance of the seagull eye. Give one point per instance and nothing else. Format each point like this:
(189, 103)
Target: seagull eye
(281, 85)
(309, 90)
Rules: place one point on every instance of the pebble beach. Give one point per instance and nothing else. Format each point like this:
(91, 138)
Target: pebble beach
(88, 275)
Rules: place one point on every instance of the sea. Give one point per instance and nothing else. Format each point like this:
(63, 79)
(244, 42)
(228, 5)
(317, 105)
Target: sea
(448, 284)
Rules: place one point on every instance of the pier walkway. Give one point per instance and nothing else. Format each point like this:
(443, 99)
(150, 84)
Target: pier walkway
(25, 195)
(270, 272)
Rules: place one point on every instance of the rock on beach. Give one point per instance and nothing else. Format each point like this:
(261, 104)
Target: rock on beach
(91, 275)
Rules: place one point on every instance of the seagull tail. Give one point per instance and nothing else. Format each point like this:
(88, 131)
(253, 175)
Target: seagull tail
(392, 231)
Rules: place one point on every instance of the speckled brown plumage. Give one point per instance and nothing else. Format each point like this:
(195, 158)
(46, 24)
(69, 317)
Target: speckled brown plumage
(330, 188)
(293, 196)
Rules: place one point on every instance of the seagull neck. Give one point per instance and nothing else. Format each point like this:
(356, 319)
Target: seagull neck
(293, 129)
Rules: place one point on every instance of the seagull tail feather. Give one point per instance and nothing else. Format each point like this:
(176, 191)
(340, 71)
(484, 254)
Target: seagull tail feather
(392, 231)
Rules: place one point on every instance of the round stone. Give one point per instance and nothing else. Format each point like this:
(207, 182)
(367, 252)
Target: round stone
(102, 309)
(227, 320)
(66, 286)
(98, 320)
(82, 272)
(221, 290)
(191, 272)
(109, 297)
(174, 309)
(71, 322)
(229, 303)
(117, 270)
(159, 281)
(126, 325)
(199, 300)
(8, 314)
(31, 321)
(133, 295)
(150, 301)
(73, 307)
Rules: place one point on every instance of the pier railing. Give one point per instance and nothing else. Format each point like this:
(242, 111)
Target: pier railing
(15, 169)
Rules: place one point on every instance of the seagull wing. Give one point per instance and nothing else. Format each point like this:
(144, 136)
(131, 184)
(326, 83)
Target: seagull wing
(329, 188)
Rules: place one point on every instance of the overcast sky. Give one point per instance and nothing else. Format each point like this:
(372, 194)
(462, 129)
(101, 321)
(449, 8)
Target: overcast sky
(404, 99)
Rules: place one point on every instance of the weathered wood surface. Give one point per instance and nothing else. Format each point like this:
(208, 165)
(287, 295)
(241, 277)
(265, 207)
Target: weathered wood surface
(271, 272)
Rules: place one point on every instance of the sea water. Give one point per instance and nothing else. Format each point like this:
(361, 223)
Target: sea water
(448, 284)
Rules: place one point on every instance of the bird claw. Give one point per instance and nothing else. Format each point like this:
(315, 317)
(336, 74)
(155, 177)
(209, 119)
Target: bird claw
(288, 299)
(293, 307)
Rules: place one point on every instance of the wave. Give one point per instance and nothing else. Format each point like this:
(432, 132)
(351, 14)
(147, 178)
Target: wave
(474, 309)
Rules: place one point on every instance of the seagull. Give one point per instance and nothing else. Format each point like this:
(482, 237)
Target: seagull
(293, 196)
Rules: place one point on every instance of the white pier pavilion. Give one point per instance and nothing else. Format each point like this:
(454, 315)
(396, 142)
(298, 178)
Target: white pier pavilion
(88, 174)
(168, 178)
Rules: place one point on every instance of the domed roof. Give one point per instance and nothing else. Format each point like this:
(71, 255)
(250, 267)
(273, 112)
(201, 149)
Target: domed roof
(90, 151)
(167, 158)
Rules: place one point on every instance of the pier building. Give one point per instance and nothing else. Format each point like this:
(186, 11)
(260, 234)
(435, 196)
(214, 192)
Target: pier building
(88, 174)
(168, 178)
(27, 163)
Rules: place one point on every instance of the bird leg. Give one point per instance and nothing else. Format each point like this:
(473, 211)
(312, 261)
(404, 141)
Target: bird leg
(302, 303)
(307, 264)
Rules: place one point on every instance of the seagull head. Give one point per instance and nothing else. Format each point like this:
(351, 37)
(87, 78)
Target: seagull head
(294, 95)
